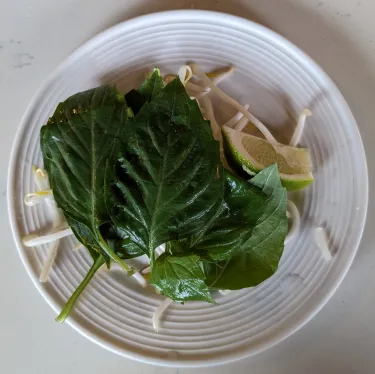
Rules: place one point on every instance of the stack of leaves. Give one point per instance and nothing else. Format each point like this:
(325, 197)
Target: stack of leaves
(133, 172)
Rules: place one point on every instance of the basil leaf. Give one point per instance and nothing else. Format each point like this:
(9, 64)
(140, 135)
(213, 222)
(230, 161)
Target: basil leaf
(84, 134)
(85, 236)
(242, 208)
(169, 181)
(127, 249)
(243, 205)
(121, 244)
(260, 254)
(180, 278)
(152, 85)
(150, 88)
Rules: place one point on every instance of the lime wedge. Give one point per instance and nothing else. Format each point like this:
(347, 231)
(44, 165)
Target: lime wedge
(251, 154)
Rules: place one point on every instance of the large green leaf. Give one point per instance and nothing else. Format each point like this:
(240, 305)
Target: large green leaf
(243, 205)
(169, 180)
(180, 278)
(82, 136)
(258, 257)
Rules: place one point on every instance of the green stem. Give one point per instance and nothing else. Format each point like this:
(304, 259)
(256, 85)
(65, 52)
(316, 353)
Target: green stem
(152, 257)
(113, 255)
(72, 300)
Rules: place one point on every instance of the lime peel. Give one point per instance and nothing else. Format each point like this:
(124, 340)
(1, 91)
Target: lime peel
(251, 154)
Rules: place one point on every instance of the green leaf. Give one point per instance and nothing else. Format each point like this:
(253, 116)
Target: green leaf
(85, 236)
(152, 86)
(84, 134)
(243, 206)
(234, 224)
(117, 240)
(260, 253)
(180, 278)
(149, 89)
(127, 249)
(169, 180)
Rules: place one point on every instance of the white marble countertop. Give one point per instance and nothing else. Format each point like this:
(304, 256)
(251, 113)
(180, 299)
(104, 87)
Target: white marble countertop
(35, 35)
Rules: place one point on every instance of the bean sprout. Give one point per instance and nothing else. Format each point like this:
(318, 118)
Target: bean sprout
(209, 114)
(58, 222)
(262, 128)
(321, 241)
(296, 138)
(234, 120)
(185, 73)
(219, 75)
(201, 95)
(138, 277)
(34, 240)
(241, 124)
(146, 270)
(77, 246)
(225, 292)
(35, 198)
(191, 87)
(156, 318)
(199, 92)
(293, 213)
(41, 178)
(52, 253)
(160, 249)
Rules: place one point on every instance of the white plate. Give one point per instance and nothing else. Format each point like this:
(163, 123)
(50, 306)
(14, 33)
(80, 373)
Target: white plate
(278, 80)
